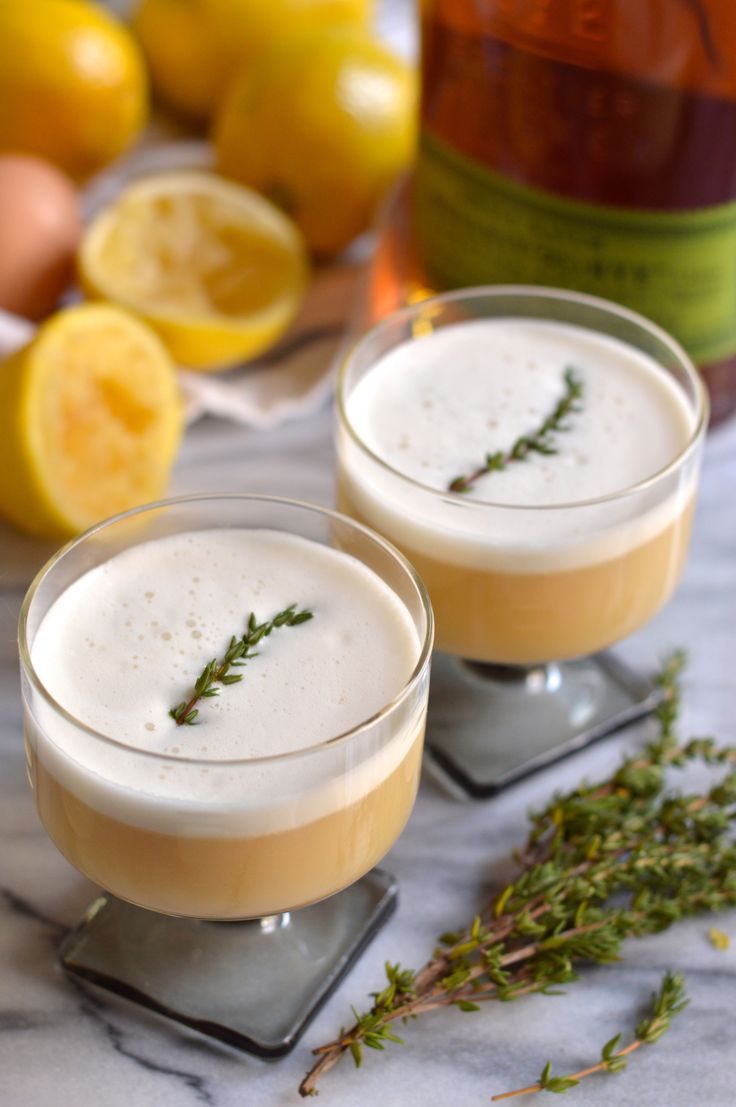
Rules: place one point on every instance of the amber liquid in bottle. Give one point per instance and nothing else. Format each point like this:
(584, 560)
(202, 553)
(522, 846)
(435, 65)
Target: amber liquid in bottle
(587, 144)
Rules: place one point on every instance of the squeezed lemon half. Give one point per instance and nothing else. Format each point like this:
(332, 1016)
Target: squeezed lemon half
(90, 421)
(216, 269)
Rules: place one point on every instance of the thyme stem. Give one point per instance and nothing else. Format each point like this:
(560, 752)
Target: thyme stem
(667, 1003)
(236, 655)
(539, 441)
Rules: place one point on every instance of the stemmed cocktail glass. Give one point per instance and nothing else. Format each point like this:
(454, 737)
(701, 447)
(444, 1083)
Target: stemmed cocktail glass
(271, 839)
(527, 596)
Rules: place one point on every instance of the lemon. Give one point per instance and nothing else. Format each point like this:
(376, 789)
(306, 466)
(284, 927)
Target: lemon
(194, 46)
(73, 87)
(323, 124)
(215, 269)
(90, 421)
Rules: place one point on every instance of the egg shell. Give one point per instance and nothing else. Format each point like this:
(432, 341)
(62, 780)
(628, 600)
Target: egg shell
(40, 227)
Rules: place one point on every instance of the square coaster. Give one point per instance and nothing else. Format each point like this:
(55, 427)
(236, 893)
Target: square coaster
(490, 726)
(255, 985)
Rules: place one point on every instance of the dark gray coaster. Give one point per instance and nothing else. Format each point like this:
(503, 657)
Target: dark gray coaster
(254, 985)
(489, 725)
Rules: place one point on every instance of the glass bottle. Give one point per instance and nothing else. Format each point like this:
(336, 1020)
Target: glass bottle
(586, 144)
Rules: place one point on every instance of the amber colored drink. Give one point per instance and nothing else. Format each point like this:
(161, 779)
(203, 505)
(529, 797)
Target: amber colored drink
(524, 618)
(229, 877)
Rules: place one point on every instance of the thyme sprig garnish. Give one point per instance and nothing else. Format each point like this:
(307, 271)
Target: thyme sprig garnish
(666, 1003)
(540, 441)
(240, 651)
(619, 859)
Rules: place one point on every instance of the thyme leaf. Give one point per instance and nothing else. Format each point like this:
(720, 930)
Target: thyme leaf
(666, 1003)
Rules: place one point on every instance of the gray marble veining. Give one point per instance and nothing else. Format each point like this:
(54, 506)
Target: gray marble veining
(63, 1045)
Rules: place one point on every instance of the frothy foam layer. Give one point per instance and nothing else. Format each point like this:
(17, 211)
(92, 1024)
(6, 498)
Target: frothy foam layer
(432, 408)
(126, 641)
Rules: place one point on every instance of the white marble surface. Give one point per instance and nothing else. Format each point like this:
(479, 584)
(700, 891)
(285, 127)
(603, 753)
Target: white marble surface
(61, 1044)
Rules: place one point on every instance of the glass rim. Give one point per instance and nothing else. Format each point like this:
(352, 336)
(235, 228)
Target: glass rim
(326, 744)
(494, 291)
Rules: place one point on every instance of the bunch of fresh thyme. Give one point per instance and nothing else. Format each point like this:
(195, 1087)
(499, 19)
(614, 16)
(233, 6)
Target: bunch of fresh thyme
(539, 441)
(236, 655)
(605, 862)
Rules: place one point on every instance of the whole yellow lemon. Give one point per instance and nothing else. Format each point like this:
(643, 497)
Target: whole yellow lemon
(193, 47)
(322, 125)
(73, 86)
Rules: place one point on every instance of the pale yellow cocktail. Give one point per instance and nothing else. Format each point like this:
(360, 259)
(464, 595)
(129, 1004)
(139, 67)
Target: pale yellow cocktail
(555, 554)
(292, 782)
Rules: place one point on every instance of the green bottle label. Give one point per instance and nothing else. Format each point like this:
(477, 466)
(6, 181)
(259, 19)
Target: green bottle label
(676, 267)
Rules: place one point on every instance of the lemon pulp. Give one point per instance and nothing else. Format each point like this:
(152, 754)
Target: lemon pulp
(217, 270)
(90, 416)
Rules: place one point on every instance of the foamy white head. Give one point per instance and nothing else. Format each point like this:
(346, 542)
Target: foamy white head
(432, 409)
(126, 641)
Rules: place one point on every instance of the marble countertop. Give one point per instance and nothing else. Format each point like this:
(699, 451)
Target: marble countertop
(61, 1044)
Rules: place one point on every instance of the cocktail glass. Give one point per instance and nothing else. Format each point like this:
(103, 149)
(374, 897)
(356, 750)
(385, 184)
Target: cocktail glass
(156, 934)
(525, 598)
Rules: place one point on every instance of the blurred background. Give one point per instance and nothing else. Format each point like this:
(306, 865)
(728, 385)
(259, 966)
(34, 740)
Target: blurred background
(185, 185)
(201, 200)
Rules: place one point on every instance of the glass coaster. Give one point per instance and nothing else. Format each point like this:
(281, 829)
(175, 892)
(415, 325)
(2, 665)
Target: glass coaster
(491, 725)
(254, 985)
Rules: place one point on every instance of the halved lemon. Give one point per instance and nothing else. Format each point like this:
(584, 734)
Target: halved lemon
(90, 421)
(216, 269)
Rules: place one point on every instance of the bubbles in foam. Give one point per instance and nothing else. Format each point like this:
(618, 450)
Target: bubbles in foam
(360, 627)
(466, 367)
(635, 421)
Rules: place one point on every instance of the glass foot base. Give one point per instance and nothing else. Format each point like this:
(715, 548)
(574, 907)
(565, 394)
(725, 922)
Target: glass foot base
(491, 725)
(254, 985)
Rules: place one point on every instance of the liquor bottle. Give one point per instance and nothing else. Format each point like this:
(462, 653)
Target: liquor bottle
(586, 144)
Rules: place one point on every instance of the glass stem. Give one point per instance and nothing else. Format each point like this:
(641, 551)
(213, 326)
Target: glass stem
(544, 677)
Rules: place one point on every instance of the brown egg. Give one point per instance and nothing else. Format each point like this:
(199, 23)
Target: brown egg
(40, 226)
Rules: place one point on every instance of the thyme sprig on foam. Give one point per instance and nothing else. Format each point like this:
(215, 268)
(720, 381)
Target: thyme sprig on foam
(240, 651)
(540, 441)
(619, 859)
